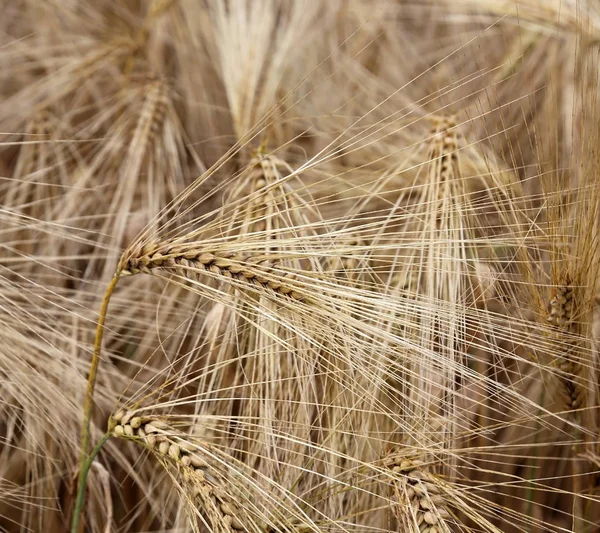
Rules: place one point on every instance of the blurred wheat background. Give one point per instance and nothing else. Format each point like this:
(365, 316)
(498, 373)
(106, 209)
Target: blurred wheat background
(352, 254)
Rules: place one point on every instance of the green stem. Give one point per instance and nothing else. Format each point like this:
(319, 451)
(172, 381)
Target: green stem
(82, 479)
(577, 473)
(85, 461)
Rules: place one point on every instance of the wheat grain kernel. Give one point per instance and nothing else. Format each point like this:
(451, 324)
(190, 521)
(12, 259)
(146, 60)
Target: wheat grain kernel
(235, 269)
(226, 508)
(163, 447)
(431, 488)
(206, 258)
(443, 512)
(174, 452)
(198, 462)
(429, 518)
(437, 500)
(415, 475)
(127, 417)
(425, 504)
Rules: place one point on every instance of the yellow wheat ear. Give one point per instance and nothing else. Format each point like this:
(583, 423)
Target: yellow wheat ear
(178, 451)
(191, 262)
(419, 505)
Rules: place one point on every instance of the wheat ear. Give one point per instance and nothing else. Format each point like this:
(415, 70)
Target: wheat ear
(561, 315)
(418, 497)
(173, 447)
(190, 262)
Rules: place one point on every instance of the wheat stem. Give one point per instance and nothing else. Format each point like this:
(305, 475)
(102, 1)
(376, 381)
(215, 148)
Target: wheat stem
(84, 459)
(77, 512)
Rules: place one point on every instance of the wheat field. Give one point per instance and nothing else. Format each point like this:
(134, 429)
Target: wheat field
(300, 266)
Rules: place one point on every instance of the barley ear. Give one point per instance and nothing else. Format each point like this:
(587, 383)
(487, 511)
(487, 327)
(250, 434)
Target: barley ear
(173, 448)
(418, 499)
(562, 313)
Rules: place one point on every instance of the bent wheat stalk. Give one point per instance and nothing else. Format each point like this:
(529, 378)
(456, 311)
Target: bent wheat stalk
(85, 461)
